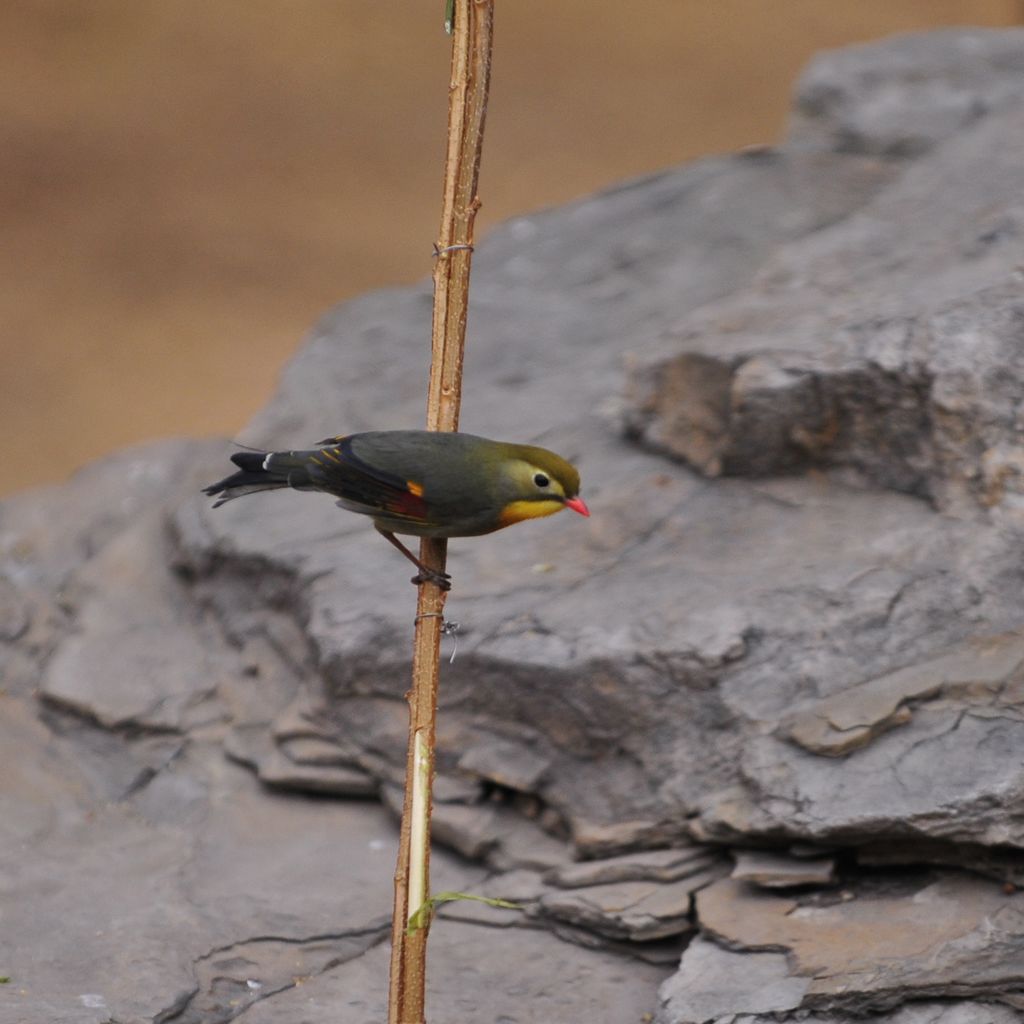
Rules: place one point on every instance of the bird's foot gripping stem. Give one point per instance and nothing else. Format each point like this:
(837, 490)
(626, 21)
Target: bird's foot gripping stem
(425, 575)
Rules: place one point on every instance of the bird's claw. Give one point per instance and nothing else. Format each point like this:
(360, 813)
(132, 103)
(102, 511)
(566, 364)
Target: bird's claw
(440, 579)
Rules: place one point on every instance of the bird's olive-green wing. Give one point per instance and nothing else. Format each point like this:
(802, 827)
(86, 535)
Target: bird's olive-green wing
(337, 469)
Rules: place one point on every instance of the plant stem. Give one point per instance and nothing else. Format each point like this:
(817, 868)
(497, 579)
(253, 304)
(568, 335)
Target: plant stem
(467, 107)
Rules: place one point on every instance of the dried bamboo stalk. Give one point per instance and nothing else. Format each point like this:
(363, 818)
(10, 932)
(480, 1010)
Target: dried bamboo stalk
(470, 79)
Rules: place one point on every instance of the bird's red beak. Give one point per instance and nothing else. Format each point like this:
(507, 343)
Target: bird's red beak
(577, 505)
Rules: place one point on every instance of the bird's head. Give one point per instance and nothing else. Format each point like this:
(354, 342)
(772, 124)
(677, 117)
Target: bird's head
(538, 483)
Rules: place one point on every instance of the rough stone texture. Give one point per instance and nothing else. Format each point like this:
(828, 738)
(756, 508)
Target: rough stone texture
(114, 909)
(648, 866)
(563, 984)
(714, 983)
(926, 1012)
(807, 632)
(777, 871)
(727, 987)
(853, 718)
(870, 949)
(950, 767)
(640, 911)
(905, 95)
(890, 343)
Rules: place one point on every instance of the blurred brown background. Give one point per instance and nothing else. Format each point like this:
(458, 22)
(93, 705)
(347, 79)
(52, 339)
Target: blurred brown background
(186, 185)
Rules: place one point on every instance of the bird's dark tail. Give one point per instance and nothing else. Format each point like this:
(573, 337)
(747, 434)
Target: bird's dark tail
(262, 471)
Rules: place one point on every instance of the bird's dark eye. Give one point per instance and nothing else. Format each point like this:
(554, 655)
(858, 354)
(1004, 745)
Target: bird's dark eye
(540, 480)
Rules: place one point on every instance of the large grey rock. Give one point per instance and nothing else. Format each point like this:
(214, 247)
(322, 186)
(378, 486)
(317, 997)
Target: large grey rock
(714, 983)
(891, 940)
(640, 911)
(530, 660)
(889, 344)
(719, 986)
(823, 647)
(902, 96)
(947, 773)
(470, 980)
(119, 910)
(139, 654)
(744, 551)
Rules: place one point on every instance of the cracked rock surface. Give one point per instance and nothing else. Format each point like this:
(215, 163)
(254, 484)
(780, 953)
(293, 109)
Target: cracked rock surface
(792, 627)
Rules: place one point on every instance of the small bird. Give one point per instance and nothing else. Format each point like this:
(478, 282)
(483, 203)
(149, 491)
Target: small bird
(418, 482)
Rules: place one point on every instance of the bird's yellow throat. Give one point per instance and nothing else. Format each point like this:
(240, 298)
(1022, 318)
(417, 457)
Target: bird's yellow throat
(517, 511)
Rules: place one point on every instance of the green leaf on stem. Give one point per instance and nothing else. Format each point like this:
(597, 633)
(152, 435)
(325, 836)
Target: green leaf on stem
(422, 917)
